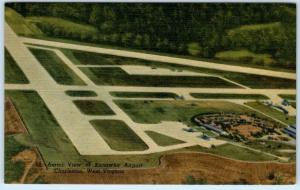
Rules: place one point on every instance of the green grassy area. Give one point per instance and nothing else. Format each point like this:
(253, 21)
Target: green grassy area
(63, 28)
(171, 110)
(272, 112)
(117, 76)
(290, 97)
(118, 135)
(50, 139)
(12, 170)
(238, 153)
(81, 93)
(93, 107)
(18, 23)
(271, 146)
(60, 72)
(13, 73)
(144, 94)
(163, 140)
(228, 96)
(245, 56)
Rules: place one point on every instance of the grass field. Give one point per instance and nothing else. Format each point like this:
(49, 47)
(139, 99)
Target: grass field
(228, 96)
(271, 146)
(118, 135)
(245, 56)
(116, 76)
(82, 93)
(170, 110)
(163, 140)
(60, 72)
(93, 107)
(13, 73)
(18, 23)
(290, 97)
(272, 112)
(50, 139)
(144, 94)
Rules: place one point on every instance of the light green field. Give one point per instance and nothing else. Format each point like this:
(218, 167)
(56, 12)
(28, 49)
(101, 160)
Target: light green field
(19, 24)
(235, 152)
(118, 135)
(163, 140)
(93, 107)
(13, 73)
(228, 96)
(62, 27)
(60, 72)
(245, 56)
(272, 112)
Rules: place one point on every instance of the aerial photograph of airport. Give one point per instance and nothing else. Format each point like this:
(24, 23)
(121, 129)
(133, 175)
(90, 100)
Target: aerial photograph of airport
(150, 93)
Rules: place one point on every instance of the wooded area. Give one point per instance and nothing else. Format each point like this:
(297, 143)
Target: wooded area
(197, 29)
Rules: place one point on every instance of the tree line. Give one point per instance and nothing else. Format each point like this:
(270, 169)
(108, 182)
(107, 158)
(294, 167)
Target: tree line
(200, 29)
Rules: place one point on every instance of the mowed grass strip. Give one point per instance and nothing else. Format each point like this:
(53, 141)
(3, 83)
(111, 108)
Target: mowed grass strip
(81, 93)
(118, 135)
(237, 153)
(117, 76)
(272, 112)
(45, 133)
(60, 72)
(291, 97)
(228, 96)
(144, 94)
(13, 73)
(93, 107)
(163, 140)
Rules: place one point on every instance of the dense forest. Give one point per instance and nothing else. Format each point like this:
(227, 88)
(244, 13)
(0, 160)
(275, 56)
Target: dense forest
(197, 29)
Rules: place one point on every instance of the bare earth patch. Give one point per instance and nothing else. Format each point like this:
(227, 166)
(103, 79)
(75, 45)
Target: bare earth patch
(13, 122)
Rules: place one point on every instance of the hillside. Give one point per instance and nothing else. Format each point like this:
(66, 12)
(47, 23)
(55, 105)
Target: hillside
(200, 30)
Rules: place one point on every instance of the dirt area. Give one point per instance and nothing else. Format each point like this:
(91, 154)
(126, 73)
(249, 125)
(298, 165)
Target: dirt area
(175, 168)
(246, 130)
(13, 122)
